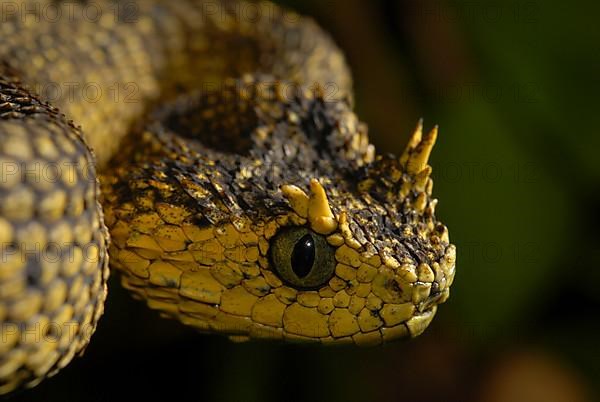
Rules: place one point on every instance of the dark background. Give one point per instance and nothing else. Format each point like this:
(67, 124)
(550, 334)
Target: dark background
(513, 86)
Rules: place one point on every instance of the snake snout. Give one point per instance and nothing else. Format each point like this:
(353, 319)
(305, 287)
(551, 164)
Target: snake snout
(433, 285)
(423, 285)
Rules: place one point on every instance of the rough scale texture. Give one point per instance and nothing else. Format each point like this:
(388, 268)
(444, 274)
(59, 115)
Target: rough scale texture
(194, 196)
(53, 242)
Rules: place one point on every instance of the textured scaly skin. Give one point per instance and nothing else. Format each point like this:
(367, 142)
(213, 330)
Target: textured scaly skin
(194, 196)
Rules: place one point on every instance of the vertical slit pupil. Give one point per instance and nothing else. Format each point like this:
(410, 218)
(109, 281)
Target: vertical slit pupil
(303, 256)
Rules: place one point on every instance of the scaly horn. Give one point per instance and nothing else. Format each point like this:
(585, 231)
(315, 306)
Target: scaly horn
(297, 198)
(417, 161)
(314, 208)
(415, 139)
(320, 216)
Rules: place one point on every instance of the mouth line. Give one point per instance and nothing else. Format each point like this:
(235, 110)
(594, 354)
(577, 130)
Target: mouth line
(434, 297)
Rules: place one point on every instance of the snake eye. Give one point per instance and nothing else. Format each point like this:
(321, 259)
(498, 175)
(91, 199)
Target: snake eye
(302, 258)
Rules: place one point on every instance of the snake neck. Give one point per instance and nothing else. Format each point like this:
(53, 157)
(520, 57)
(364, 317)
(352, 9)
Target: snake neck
(105, 71)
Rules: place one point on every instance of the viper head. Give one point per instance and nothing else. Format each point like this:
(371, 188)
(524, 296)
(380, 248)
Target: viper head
(303, 233)
(374, 251)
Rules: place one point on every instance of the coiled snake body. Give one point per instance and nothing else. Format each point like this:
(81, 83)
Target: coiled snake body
(248, 202)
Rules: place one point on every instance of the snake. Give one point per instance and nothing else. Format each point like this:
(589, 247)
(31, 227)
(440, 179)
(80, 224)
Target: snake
(210, 154)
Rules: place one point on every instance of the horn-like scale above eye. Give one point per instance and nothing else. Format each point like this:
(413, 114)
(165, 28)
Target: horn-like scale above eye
(302, 258)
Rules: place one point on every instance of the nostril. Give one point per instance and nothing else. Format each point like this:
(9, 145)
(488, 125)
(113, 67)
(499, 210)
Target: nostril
(391, 288)
(394, 286)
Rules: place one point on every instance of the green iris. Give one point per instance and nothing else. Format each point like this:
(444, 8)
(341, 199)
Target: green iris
(302, 258)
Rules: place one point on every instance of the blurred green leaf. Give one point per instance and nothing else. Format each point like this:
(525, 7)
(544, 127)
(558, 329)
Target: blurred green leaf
(507, 216)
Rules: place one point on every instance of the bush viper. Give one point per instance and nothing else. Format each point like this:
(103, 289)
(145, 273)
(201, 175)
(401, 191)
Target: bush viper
(240, 190)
